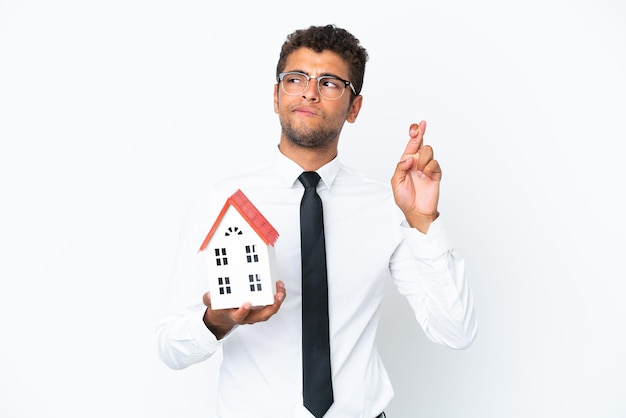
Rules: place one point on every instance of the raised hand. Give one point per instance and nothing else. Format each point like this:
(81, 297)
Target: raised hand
(416, 180)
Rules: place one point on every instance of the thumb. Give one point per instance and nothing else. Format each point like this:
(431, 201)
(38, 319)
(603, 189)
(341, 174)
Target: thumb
(206, 299)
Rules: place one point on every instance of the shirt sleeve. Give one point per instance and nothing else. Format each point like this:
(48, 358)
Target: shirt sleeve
(431, 275)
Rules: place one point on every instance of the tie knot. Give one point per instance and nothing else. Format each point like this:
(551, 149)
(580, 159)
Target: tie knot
(309, 179)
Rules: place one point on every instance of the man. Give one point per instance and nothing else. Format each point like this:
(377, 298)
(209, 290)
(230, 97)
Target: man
(372, 232)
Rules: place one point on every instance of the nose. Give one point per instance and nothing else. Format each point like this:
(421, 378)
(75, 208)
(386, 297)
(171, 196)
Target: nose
(311, 92)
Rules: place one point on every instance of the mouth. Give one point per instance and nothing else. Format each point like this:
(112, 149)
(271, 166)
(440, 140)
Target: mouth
(305, 111)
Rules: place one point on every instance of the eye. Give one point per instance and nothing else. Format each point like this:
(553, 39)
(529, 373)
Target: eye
(295, 79)
(331, 83)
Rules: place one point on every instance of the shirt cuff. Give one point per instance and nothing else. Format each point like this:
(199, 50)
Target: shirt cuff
(203, 336)
(429, 246)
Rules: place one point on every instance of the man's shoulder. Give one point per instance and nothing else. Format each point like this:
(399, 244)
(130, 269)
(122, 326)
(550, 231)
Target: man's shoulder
(350, 176)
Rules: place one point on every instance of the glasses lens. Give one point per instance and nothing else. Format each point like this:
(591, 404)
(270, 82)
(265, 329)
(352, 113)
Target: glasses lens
(331, 87)
(294, 83)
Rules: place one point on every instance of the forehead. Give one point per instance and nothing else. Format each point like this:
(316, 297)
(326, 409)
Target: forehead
(315, 63)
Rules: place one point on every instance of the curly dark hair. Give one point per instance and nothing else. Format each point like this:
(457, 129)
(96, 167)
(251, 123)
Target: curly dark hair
(331, 38)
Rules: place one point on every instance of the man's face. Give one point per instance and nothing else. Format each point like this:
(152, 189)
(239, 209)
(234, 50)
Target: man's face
(308, 119)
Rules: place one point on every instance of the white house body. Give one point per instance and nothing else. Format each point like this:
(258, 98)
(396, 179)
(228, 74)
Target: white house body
(241, 263)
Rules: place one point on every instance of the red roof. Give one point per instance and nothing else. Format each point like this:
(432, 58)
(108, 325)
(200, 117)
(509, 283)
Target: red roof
(251, 214)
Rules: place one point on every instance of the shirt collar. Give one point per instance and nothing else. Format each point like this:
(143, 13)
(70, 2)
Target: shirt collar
(289, 170)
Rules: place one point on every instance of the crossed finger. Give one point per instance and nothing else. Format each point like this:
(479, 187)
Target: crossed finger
(416, 138)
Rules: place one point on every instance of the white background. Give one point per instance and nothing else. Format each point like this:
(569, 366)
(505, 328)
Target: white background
(114, 113)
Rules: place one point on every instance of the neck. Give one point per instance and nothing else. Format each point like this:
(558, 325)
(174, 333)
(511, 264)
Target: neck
(308, 158)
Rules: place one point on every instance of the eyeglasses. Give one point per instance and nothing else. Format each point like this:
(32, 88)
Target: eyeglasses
(330, 87)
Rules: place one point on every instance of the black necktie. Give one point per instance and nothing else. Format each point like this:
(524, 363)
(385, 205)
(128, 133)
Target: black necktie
(317, 384)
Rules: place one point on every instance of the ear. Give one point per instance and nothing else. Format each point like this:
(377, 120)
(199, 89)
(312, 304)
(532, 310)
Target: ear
(276, 98)
(355, 108)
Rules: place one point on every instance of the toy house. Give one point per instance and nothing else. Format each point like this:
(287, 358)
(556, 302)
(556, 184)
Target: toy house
(239, 251)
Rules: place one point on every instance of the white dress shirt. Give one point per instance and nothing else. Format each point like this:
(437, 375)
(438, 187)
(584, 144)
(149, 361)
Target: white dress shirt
(367, 242)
